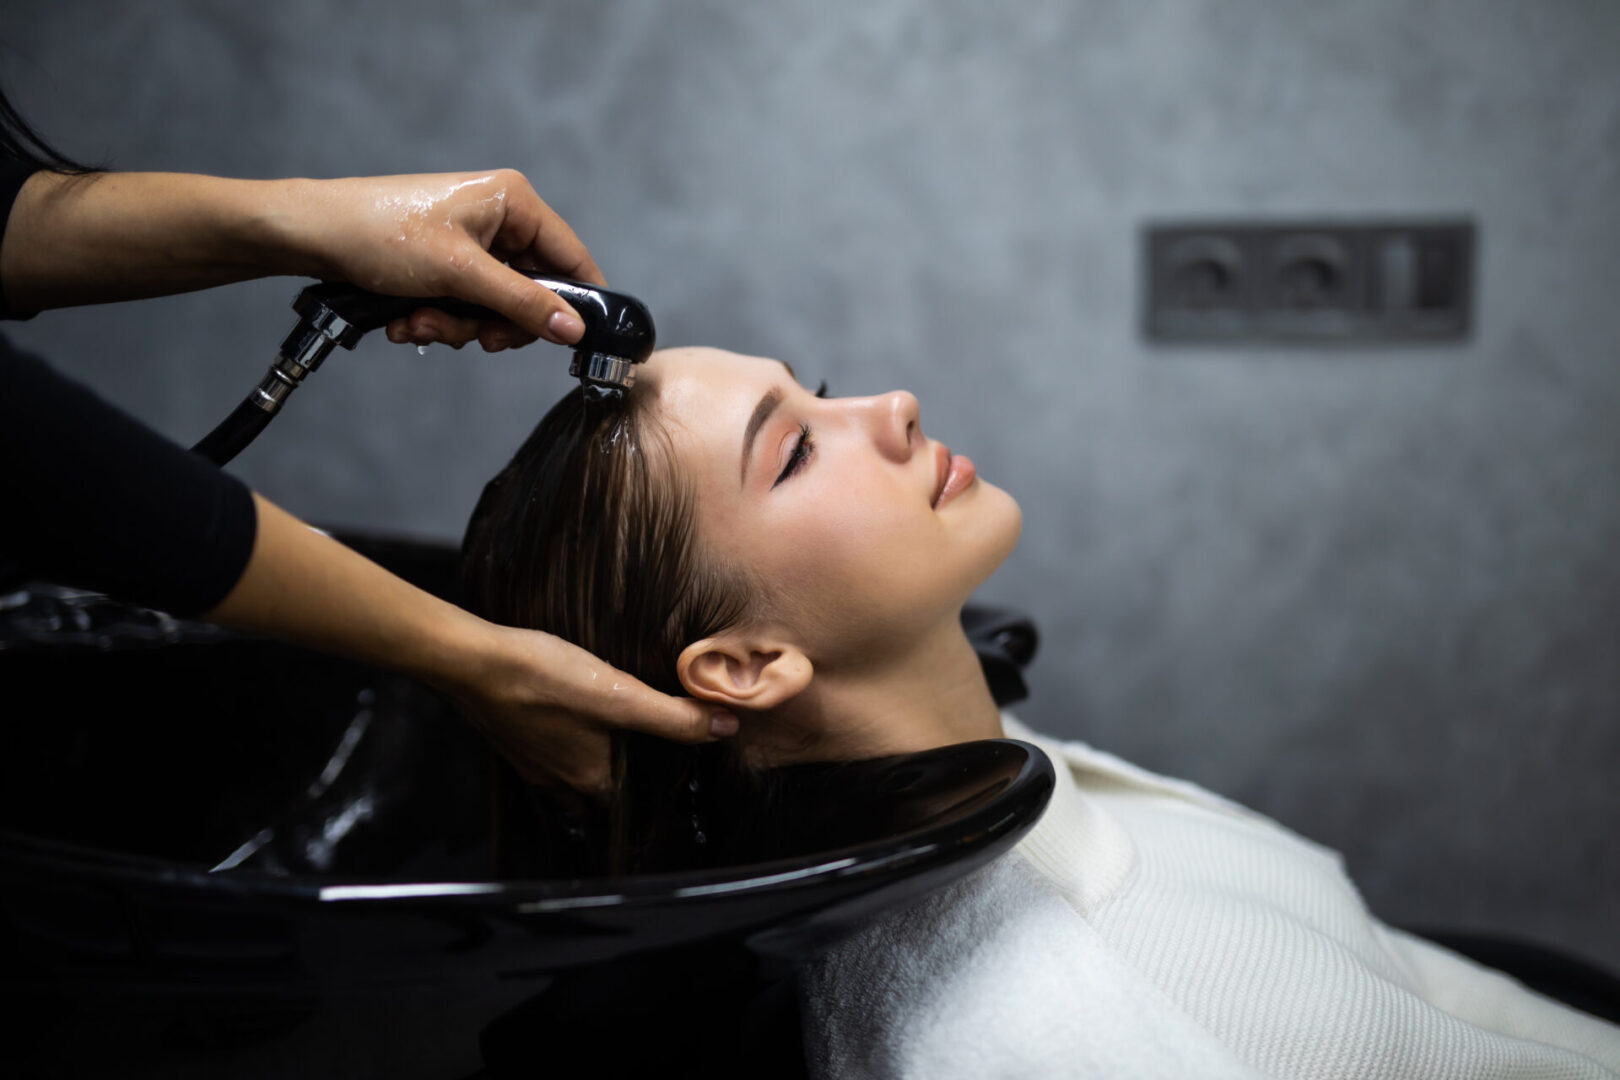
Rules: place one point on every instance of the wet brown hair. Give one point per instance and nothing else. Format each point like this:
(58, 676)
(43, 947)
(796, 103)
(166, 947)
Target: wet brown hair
(590, 533)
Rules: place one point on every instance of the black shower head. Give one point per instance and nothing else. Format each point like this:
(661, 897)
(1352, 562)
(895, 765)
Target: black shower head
(618, 335)
(618, 329)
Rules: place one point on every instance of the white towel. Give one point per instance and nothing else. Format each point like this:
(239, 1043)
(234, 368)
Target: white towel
(996, 976)
(1145, 928)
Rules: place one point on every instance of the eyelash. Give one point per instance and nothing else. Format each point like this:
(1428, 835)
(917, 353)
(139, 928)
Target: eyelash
(804, 447)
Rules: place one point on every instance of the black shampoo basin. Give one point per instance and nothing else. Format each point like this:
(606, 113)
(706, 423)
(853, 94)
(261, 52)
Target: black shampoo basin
(224, 856)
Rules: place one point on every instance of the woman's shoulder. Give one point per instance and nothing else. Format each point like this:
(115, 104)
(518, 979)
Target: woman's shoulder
(1087, 761)
(1118, 783)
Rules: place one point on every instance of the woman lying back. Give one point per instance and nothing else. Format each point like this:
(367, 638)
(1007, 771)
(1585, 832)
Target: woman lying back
(803, 561)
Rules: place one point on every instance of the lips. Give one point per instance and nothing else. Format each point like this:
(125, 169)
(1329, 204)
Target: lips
(952, 475)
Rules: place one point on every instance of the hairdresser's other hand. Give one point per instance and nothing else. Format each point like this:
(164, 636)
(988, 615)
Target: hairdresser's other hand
(549, 707)
(545, 704)
(451, 234)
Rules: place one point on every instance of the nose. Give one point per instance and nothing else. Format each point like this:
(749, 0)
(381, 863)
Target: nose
(897, 425)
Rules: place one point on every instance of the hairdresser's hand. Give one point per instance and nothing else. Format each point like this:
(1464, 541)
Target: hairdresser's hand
(450, 234)
(121, 236)
(549, 707)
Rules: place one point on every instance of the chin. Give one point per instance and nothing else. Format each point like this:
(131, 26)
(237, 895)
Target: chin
(998, 521)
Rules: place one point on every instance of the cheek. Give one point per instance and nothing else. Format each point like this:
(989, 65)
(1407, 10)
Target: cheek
(853, 557)
(850, 526)
(857, 553)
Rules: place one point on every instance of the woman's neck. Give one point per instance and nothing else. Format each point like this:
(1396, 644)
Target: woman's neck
(932, 695)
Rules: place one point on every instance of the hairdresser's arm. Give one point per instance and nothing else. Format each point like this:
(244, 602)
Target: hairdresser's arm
(546, 705)
(122, 236)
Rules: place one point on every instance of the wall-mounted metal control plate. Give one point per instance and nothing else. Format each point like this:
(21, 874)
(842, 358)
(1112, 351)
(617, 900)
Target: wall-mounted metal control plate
(1307, 281)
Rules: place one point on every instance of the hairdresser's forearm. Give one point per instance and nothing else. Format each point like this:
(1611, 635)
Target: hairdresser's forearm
(122, 236)
(548, 706)
(305, 587)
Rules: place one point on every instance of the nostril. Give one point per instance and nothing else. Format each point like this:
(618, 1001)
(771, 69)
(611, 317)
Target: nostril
(902, 406)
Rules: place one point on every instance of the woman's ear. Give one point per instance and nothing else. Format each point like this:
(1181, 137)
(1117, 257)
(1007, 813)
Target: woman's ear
(743, 673)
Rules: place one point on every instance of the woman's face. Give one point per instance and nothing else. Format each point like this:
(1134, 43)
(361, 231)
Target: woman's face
(865, 533)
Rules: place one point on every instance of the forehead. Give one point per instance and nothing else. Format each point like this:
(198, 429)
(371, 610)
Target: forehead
(705, 397)
(692, 373)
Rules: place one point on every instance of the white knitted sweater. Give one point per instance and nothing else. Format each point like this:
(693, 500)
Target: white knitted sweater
(1148, 928)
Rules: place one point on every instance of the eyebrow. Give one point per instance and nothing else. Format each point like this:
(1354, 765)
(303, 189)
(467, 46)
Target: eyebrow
(762, 412)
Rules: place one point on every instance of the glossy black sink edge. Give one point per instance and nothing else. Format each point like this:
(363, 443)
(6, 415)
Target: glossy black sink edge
(991, 828)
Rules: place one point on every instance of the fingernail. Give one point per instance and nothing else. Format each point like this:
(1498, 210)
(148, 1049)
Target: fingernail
(722, 724)
(565, 325)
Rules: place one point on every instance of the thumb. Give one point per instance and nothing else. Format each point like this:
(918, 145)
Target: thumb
(520, 298)
(638, 707)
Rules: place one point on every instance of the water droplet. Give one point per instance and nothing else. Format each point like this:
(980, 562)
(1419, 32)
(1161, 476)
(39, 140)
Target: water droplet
(421, 350)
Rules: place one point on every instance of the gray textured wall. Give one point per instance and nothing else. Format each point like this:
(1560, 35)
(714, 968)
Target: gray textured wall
(1374, 593)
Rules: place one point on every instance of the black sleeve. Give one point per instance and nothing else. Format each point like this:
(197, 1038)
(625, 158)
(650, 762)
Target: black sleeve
(91, 497)
(13, 175)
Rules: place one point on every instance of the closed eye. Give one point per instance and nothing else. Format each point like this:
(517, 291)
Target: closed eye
(802, 449)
